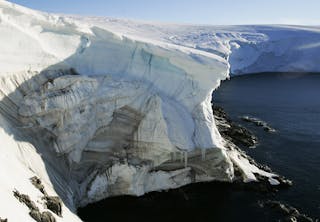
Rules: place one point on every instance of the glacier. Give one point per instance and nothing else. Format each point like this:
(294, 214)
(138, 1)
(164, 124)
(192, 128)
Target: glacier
(98, 107)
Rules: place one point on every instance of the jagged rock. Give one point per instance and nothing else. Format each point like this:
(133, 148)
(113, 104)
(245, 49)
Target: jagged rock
(284, 182)
(54, 204)
(258, 122)
(263, 183)
(219, 112)
(79, 119)
(42, 217)
(290, 213)
(290, 219)
(234, 132)
(47, 217)
(23, 198)
(268, 129)
(36, 215)
(37, 183)
(241, 135)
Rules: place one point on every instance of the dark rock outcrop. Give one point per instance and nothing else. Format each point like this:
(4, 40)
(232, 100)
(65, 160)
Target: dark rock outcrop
(23, 198)
(288, 212)
(54, 204)
(258, 122)
(42, 217)
(219, 112)
(37, 183)
(36, 215)
(235, 133)
(47, 217)
(240, 136)
(34, 210)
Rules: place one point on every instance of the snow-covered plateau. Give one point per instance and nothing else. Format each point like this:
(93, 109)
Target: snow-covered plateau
(98, 107)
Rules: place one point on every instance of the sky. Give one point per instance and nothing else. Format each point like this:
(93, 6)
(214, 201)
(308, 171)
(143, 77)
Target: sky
(222, 12)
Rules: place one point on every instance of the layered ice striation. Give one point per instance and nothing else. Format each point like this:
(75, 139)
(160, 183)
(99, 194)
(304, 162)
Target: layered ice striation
(98, 107)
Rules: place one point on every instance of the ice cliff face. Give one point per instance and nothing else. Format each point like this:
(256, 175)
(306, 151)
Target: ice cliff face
(101, 107)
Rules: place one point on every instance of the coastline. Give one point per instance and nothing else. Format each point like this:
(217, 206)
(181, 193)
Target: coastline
(263, 194)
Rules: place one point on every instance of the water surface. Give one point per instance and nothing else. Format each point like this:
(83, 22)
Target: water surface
(290, 103)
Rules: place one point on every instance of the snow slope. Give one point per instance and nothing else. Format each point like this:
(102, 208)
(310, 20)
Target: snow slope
(138, 118)
(248, 49)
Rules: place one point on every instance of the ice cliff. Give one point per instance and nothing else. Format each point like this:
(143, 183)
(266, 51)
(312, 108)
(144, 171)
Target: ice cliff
(97, 107)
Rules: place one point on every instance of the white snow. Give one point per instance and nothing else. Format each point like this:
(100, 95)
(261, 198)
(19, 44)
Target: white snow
(143, 86)
(19, 162)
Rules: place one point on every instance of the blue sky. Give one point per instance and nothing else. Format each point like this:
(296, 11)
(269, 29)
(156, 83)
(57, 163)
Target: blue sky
(191, 11)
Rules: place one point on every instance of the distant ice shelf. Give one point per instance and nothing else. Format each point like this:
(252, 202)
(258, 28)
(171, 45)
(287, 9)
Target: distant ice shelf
(98, 107)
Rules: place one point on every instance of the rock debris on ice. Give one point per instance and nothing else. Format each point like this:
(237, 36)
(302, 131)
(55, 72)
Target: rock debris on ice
(98, 107)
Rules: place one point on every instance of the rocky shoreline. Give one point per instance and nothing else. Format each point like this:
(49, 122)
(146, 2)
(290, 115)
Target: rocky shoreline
(259, 123)
(235, 133)
(238, 135)
(289, 213)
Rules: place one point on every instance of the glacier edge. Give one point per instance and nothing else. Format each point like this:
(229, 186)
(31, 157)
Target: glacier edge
(106, 112)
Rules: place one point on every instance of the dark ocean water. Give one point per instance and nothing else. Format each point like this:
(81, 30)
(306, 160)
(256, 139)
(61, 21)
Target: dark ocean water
(290, 103)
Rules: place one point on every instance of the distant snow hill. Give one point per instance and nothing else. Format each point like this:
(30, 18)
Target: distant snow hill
(99, 107)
